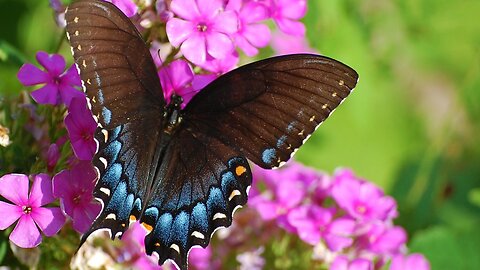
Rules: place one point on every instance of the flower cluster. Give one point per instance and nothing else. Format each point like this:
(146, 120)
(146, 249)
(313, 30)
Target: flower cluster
(348, 220)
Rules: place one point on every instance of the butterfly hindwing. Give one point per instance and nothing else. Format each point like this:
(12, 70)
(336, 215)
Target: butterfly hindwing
(114, 63)
(200, 184)
(267, 109)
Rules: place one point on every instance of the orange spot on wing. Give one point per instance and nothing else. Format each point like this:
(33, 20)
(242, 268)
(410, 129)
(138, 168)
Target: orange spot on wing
(239, 170)
(147, 227)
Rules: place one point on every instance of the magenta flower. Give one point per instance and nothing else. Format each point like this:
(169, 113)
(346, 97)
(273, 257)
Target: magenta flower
(28, 209)
(204, 29)
(287, 44)
(200, 259)
(362, 200)
(381, 238)
(59, 86)
(342, 263)
(251, 34)
(315, 224)
(133, 252)
(81, 129)
(219, 66)
(128, 7)
(53, 155)
(177, 78)
(74, 187)
(411, 262)
(286, 14)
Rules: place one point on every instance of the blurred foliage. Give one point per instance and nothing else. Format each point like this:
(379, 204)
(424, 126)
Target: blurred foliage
(411, 125)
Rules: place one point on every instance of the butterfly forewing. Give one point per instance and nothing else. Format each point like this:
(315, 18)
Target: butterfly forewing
(115, 66)
(267, 109)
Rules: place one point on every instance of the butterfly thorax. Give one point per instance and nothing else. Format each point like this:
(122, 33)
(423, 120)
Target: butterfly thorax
(172, 114)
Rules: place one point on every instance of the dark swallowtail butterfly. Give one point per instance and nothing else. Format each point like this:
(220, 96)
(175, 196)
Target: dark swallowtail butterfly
(182, 173)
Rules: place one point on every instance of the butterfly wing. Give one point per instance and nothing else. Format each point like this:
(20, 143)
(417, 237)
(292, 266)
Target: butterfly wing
(266, 110)
(124, 92)
(117, 71)
(262, 111)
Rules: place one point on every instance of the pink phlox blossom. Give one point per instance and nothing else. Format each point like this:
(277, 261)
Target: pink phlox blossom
(381, 238)
(176, 79)
(343, 263)
(362, 200)
(81, 129)
(251, 33)
(28, 209)
(314, 224)
(133, 253)
(59, 86)
(128, 7)
(74, 187)
(201, 259)
(203, 28)
(287, 44)
(286, 14)
(409, 262)
(251, 260)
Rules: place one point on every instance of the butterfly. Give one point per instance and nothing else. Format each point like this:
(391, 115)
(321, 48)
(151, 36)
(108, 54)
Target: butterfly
(183, 172)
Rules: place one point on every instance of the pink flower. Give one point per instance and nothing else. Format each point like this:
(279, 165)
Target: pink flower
(251, 34)
(219, 66)
(204, 28)
(128, 7)
(362, 200)
(74, 187)
(383, 239)
(59, 86)
(251, 260)
(411, 262)
(81, 129)
(200, 259)
(342, 263)
(53, 155)
(177, 78)
(133, 251)
(286, 14)
(28, 210)
(287, 44)
(314, 224)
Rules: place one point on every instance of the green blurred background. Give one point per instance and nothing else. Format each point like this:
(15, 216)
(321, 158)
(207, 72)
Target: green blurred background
(412, 125)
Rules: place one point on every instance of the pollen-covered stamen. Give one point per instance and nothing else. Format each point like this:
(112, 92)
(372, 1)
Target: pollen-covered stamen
(27, 209)
(202, 27)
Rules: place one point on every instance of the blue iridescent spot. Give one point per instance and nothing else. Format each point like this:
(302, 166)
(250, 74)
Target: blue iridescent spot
(112, 150)
(291, 126)
(100, 96)
(215, 200)
(112, 175)
(163, 227)
(281, 141)
(118, 197)
(199, 215)
(268, 155)
(151, 212)
(180, 228)
(227, 180)
(137, 205)
(107, 115)
(124, 212)
(113, 135)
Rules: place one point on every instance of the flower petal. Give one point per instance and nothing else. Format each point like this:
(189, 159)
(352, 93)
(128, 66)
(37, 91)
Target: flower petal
(179, 30)
(14, 187)
(83, 216)
(41, 192)
(257, 34)
(128, 7)
(186, 9)
(294, 9)
(48, 94)
(226, 22)
(219, 45)
(10, 213)
(68, 93)
(84, 150)
(50, 220)
(26, 234)
(71, 77)
(194, 49)
(29, 74)
(291, 27)
(53, 63)
(209, 9)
